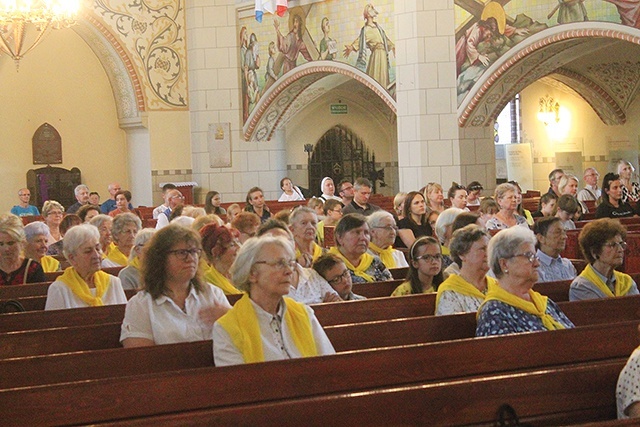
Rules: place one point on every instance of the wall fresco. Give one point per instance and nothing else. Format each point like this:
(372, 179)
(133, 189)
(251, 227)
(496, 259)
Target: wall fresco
(349, 31)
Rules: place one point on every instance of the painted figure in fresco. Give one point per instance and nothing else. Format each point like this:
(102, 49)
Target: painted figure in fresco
(570, 11)
(328, 46)
(373, 38)
(244, 45)
(251, 64)
(292, 44)
(270, 76)
(629, 11)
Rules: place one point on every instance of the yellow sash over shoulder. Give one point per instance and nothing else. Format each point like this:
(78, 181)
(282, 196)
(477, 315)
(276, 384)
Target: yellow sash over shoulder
(386, 255)
(365, 263)
(241, 323)
(537, 306)
(109, 249)
(216, 278)
(49, 264)
(317, 252)
(80, 288)
(457, 284)
(116, 255)
(624, 282)
(135, 263)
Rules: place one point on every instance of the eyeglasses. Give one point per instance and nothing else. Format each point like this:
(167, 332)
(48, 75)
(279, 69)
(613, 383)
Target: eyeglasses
(388, 227)
(530, 256)
(339, 210)
(177, 197)
(623, 245)
(281, 264)
(346, 188)
(428, 257)
(340, 278)
(184, 254)
(9, 244)
(55, 213)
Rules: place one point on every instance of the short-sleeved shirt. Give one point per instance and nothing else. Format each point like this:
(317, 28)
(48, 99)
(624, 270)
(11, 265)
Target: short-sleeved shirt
(553, 269)
(498, 318)
(29, 210)
(419, 230)
(495, 223)
(60, 296)
(628, 388)
(607, 210)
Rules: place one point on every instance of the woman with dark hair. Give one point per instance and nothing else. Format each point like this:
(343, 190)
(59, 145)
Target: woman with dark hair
(86, 212)
(352, 242)
(290, 192)
(212, 204)
(457, 195)
(612, 205)
(176, 304)
(256, 204)
(602, 244)
(122, 198)
(220, 245)
(425, 268)
(414, 223)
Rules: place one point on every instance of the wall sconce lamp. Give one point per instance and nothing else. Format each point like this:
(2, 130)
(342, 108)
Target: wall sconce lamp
(549, 110)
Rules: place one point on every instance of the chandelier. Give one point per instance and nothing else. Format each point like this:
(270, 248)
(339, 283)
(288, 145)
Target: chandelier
(24, 23)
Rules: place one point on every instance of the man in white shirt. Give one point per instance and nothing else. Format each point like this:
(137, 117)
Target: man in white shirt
(591, 191)
(175, 199)
(163, 207)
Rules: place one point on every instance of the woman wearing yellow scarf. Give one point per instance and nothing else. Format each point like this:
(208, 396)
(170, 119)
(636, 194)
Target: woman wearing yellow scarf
(512, 306)
(220, 245)
(84, 284)
(352, 240)
(303, 223)
(130, 275)
(383, 235)
(465, 291)
(602, 244)
(35, 248)
(264, 325)
(125, 227)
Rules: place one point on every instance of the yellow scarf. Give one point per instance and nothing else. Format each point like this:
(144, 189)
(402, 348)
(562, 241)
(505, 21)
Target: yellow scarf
(317, 252)
(624, 282)
(110, 248)
(457, 284)
(386, 255)
(241, 323)
(116, 255)
(365, 263)
(49, 264)
(445, 250)
(135, 263)
(79, 287)
(214, 277)
(537, 306)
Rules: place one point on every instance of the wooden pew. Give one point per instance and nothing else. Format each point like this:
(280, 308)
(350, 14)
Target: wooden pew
(376, 289)
(415, 367)
(52, 276)
(399, 273)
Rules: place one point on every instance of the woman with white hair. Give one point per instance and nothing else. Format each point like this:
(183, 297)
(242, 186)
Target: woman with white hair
(37, 234)
(16, 269)
(303, 223)
(328, 189)
(444, 230)
(84, 284)
(630, 189)
(507, 216)
(125, 227)
(264, 325)
(383, 232)
(512, 306)
(104, 224)
(130, 275)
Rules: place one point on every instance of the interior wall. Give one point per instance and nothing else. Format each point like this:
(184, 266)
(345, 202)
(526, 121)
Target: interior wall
(60, 82)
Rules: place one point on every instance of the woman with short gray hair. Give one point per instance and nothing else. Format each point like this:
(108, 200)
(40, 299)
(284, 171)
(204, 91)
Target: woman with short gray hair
(84, 284)
(383, 230)
(303, 223)
(130, 275)
(513, 306)
(265, 325)
(37, 234)
(16, 269)
(507, 199)
(125, 227)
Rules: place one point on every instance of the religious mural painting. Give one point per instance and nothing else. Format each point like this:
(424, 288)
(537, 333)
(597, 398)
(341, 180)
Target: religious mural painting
(486, 30)
(349, 31)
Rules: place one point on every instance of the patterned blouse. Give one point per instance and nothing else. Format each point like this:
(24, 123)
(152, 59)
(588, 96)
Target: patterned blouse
(498, 318)
(633, 195)
(377, 270)
(495, 224)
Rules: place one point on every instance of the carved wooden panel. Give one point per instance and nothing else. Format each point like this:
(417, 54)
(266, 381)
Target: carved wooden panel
(47, 146)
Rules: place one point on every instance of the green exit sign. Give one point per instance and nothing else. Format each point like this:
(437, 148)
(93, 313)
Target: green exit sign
(338, 109)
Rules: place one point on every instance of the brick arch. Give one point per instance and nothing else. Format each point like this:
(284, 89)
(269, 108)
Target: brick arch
(276, 102)
(538, 56)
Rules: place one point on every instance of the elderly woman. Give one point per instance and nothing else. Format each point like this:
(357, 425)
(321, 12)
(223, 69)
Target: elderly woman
(512, 306)
(212, 204)
(328, 189)
(415, 222)
(613, 205)
(220, 245)
(104, 224)
(15, 269)
(247, 224)
(176, 304)
(87, 212)
(290, 192)
(125, 227)
(627, 397)
(84, 284)
(425, 268)
(332, 269)
(602, 244)
(383, 231)
(457, 195)
(69, 220)
(352, 239)
(444, 230)
(130, 275)
(434, 196)
(552, 240)
(264, 325)
(303, 223)
(630, 189)
(465, 291)
(53, 212)
(36, 234)
(122, 198)
(332, 213)
(507, 199)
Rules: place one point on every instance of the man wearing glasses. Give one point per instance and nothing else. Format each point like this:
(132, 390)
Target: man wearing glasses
(591, 191)
(175, 199)
(24, 208)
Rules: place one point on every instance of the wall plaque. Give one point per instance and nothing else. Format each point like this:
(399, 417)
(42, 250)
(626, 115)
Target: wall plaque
(47, 146)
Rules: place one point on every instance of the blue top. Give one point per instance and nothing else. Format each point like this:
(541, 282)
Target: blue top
(29, 210)
(498, 318)
(110, 205)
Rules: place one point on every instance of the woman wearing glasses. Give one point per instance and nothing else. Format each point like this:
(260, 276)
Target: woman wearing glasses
(602, 244)
(53, 212)
(264, 325)
(176, 304)
(512, 306)
(383, 231)
(425, 268)
(507, 199)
